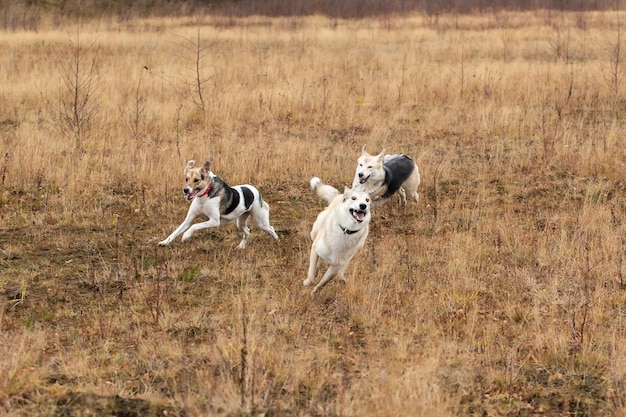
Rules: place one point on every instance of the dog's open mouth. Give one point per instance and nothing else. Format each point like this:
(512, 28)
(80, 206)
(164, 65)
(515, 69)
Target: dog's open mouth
(192, 194)
(363, 180)
(359, 215)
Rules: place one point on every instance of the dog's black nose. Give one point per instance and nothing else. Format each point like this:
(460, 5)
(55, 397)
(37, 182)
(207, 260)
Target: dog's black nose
(360, 175)
(186, 190)
(363, 206)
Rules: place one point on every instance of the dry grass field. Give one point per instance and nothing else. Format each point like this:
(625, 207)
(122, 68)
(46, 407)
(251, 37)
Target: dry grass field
(501, 293)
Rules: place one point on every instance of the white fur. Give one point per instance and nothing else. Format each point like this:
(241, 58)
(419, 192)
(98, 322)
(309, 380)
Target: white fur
(324, 191)
(337, 235)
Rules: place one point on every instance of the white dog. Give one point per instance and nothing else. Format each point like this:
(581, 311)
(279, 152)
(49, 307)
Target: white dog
(383, 175)
(213, 198)
(339, 231)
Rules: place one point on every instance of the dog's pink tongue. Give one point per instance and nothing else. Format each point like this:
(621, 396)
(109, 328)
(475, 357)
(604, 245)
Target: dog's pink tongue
(362, 180)
(359, 215)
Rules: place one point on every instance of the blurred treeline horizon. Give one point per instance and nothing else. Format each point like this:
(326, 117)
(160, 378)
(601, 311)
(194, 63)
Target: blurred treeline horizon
(28, 14)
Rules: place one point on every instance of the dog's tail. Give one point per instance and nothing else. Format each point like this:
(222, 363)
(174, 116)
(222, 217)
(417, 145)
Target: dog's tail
(323, 191)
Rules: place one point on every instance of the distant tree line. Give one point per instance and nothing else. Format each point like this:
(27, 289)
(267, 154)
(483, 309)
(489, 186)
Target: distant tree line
(364, 8)
(16, 13)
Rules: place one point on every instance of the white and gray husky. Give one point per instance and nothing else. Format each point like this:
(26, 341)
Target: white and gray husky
(382, 175)
(339, 231)
(213, 198)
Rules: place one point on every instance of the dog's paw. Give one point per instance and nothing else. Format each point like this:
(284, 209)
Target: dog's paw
(307, 282)
(164, 243)
(186, 237)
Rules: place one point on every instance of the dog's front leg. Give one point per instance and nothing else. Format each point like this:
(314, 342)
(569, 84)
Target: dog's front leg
(333, 271)
(313, 268)
(198, 226)
(184, 226)
(379, 202)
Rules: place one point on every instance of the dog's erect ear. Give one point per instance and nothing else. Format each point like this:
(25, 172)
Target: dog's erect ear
(381, 156)
(363, 151)
(190, 164)
(346, 193)
(207, 165)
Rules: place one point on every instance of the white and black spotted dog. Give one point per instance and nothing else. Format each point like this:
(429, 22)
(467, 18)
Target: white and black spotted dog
(222, 204)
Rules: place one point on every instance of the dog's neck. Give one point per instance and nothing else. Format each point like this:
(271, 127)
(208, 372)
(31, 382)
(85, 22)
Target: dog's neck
(206, 192)
(347, 231)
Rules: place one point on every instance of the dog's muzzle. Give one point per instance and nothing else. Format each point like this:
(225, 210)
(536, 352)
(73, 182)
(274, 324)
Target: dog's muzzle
(363, 179)
(190, 193)
(359, 215)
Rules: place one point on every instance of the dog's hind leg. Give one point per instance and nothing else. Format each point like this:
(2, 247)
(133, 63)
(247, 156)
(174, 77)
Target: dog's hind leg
(242, 224)
(402, 195)
(411, 185)
(262, 219)
(413, 194)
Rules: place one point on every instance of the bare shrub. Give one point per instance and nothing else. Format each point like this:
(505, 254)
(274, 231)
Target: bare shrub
(76, 109)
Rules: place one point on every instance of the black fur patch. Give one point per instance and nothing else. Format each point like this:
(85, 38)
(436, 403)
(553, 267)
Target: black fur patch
(229, 197)
(234, 199)
(397, 170)
(248, 197)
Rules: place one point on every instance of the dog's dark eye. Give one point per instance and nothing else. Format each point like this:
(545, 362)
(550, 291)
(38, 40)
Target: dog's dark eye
(195, 180)
(353, 197)
(186, 179)
(367, 200)
(369, 166)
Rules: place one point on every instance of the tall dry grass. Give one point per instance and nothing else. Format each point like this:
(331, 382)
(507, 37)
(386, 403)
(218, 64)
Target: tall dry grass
(500, 293)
